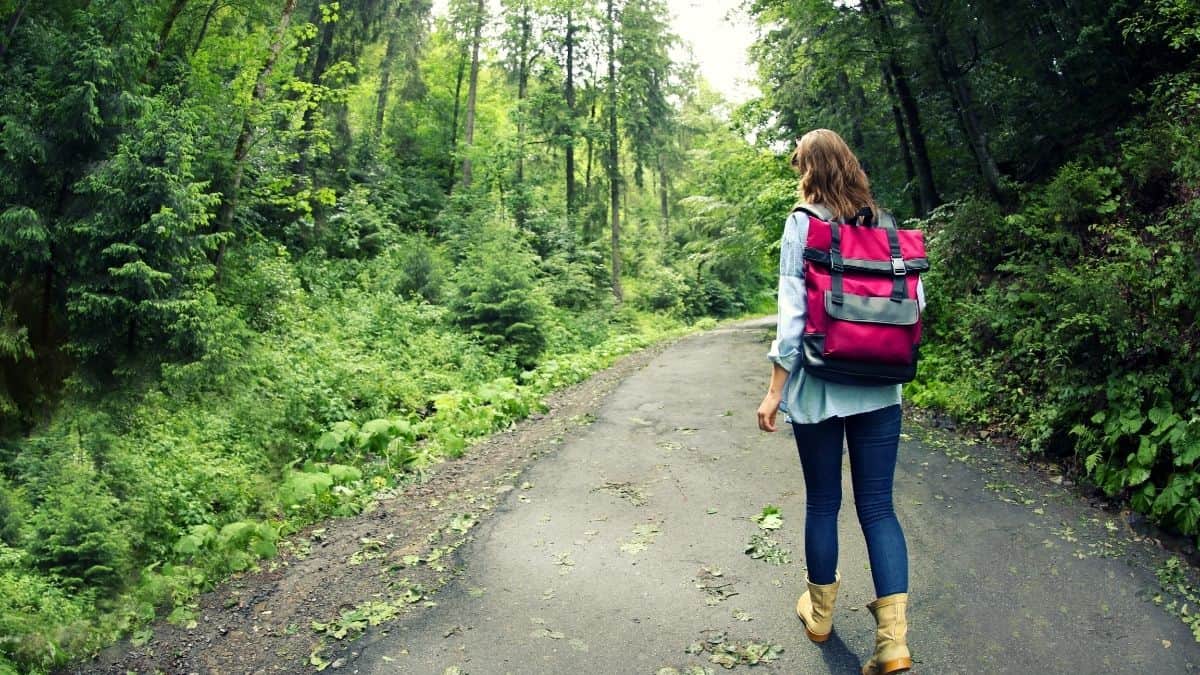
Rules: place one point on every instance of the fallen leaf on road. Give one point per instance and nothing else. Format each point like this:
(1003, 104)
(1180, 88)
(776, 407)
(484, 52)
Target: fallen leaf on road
(564, 560)
(643, 536)
(762, 547)
(770, 518)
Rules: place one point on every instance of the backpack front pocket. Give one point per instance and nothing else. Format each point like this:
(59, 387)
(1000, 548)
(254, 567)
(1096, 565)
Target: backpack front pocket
(873, 329)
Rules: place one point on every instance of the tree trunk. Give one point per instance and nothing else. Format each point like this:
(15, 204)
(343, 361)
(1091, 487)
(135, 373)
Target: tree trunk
(472, 92)
(570, 97)
(614, 178)
(385, 78)
(242, 148)
(462, 67)
(523, 65)
(960, 92)
(858, 102)
(12, 26)
(165, 32)
(930, 199)
(591, 152)
(910, 172)
(324, 55)
(47, 298)
(664, 203)
(208, 15)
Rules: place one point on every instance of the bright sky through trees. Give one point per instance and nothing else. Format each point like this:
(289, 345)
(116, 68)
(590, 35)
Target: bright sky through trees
(719, 34)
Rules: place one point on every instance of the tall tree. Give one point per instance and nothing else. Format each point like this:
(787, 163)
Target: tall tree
(910, 172)
(472, 92)
(405, 33)
(907, 103)
(569, 95)
(962, 93)
(173, 12)
(13, 22)
(523, 48)
(645, 84)
(612, 164)
(241, 149)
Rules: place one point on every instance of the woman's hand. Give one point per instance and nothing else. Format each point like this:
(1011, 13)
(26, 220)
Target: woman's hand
(767, 411)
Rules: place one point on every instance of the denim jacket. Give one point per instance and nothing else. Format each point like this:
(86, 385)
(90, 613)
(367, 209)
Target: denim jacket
(807, 400)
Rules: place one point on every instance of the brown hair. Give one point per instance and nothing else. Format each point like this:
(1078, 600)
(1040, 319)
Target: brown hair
(830, 174)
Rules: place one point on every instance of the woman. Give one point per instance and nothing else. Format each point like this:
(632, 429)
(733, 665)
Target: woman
(822, 413)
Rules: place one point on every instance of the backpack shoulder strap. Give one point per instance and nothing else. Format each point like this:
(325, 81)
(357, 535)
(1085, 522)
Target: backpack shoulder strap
(886, 219)
(815, 210)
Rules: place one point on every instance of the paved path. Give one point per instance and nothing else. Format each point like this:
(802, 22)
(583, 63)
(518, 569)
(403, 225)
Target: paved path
(598, 565)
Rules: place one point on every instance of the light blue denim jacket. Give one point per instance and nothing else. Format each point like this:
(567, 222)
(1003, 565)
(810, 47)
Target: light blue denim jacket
(807, 400)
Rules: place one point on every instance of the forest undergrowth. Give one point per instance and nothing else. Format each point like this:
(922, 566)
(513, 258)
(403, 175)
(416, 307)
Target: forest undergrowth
(264, 258)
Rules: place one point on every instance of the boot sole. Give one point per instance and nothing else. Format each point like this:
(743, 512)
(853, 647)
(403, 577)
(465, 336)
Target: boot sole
(814, 636)
(901, 665)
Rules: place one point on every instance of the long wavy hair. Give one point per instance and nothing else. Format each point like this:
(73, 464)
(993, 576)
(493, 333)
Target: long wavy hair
(830, 174)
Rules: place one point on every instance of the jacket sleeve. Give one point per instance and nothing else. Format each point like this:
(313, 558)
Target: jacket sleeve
(785, 349)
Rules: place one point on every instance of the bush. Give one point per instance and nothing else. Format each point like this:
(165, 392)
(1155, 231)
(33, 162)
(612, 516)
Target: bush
(260, 281)
(40, 627)
(418, 269)
(496, 296)
(712, 297)
(76, 533)
(662, 290)
(1072, 323)
(575, 281)
(10, 515)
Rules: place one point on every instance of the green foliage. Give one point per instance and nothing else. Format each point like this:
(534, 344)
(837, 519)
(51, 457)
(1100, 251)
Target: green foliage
(143, 248)
(1072, 322)
(247, 287)
(420, 270)
(10, 516)
(41, 624)
(76, 535)
(663, 290)
(495, 295)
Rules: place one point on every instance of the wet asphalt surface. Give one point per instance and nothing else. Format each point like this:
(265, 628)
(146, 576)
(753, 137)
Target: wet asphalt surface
(627, 545)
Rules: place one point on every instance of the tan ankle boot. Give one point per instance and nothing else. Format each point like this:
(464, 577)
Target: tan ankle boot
(891, 649)
(815, 608)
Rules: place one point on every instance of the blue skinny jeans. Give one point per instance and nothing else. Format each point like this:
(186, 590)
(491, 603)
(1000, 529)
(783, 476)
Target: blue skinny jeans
(873, 438)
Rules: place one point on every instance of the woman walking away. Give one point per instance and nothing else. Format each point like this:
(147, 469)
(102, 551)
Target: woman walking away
(822, 413)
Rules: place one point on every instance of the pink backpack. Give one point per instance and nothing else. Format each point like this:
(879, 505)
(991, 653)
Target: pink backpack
(860, 281)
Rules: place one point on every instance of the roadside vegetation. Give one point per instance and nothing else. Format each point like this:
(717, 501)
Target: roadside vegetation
(265, 258)
(1050, 152)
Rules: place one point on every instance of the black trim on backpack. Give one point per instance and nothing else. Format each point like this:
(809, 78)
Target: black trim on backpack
(871, 309)
(853, 372)
(911, 265)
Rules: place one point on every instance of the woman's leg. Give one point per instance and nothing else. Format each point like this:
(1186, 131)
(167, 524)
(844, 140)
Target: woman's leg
(820, 447)
(873, 439)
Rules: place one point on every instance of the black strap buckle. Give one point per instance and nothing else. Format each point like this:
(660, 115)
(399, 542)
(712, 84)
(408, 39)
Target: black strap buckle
(898, 267)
